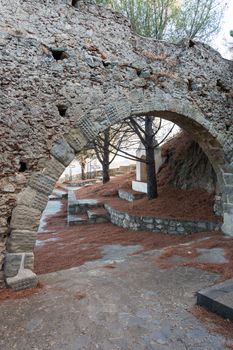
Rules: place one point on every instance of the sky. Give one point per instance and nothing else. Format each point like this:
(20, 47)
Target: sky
(220, 43)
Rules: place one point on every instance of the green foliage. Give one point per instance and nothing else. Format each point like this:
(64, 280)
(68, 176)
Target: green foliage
(199, 19)
(231, 33)
(171, 20)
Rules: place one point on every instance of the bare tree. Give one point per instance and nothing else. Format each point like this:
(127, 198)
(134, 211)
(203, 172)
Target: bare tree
(145, 128)
(104, 145)
(82, 158)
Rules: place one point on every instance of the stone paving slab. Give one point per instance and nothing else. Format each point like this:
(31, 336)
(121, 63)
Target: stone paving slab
(135, 305)
(212, 256)
(218, 299)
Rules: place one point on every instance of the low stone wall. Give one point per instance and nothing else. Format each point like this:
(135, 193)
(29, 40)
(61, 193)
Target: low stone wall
(153, 224)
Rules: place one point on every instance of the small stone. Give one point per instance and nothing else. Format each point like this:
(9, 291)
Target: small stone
(8, 188)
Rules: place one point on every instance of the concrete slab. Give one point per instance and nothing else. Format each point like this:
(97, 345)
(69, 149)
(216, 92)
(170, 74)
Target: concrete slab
(218, 299)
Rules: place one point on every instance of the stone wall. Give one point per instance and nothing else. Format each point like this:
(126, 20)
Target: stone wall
(153, 224)
(67, 73)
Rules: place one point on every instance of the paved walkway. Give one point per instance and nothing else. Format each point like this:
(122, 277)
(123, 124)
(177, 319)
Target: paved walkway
(134, 306)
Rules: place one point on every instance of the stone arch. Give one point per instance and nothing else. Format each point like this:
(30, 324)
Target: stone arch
(32, 200)
(76, 81)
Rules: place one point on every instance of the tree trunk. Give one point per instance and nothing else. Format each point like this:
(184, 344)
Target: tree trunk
(105, 163)
(152, 191)
(83, 171)
(106, 176)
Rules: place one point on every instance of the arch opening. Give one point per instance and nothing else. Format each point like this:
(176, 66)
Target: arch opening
(32, 200)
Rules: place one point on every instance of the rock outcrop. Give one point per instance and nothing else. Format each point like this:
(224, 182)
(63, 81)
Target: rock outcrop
(186, 166)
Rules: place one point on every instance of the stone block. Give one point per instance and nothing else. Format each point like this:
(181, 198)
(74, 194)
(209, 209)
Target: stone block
(13, 262)
(88, 128)
(25, 218)
(2, 280)
(53, 168)
(32, 198)
(76, 140)
(23, 280)
(228, 179)
(227, 226)
(148, 220)
(21, 241)
(202, 225)
(150, 226)
(218, 299)
(229, 189)
(111, 113)
(123, 107)
(63, 152)
(230, 198)
(180, 229)
(139, 82)
(228, 207)
(42, 183)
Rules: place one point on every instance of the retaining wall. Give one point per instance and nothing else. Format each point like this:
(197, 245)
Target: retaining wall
(149, 223)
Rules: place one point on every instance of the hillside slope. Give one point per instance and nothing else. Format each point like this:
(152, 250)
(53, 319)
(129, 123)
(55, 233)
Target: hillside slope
(186, 165)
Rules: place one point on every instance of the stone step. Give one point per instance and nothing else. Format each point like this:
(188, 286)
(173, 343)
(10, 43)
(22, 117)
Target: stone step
(218, 299)
(77, 219)
(83, 205)
(80, 206)
(58, 194)
(99, 215)
(130, 196)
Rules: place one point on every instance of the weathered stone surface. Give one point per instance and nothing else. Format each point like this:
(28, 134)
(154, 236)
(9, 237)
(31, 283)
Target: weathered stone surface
(53, 168)
(21, 241)
(76, 140)
(13, 262)
(25, 218)
(8, 188)
(63, 152)
(23, 280)
(42, 183)
(32, 198)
